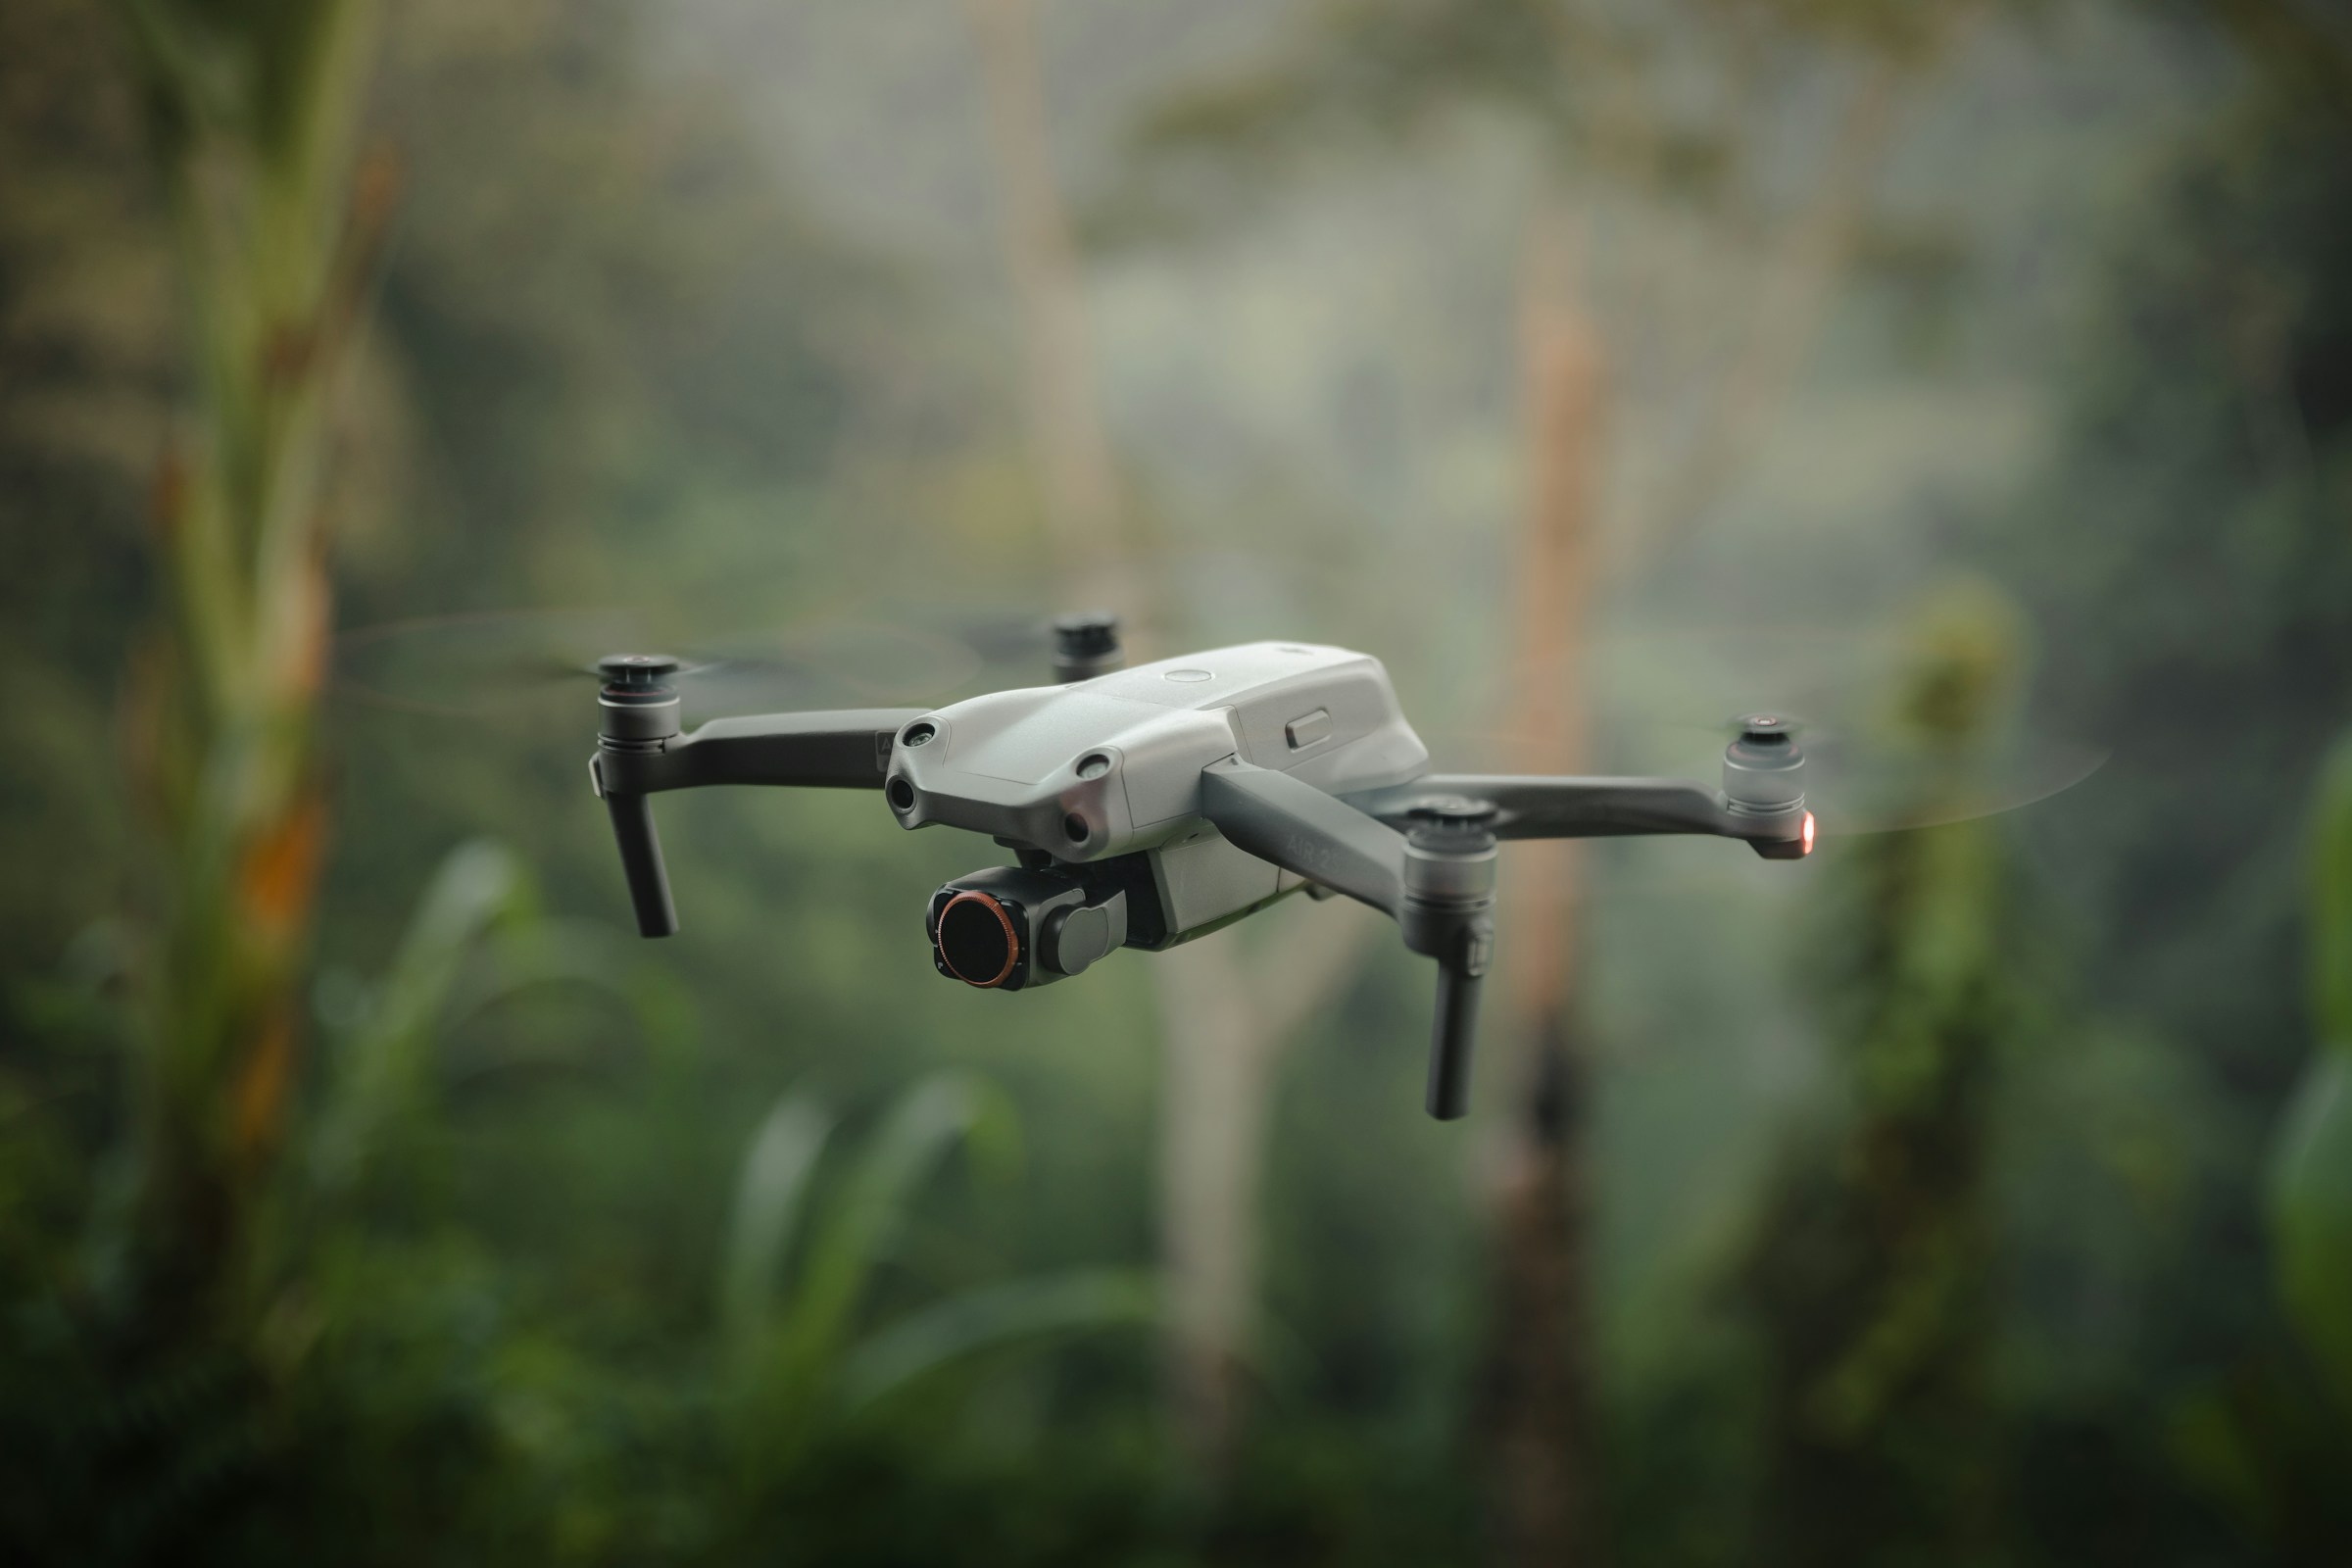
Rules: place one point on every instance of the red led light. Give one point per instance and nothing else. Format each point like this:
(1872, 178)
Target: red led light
(1808, 832)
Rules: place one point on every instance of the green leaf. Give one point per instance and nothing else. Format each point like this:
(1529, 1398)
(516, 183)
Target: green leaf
(770, 1198)
(865, 1227)
(981, 1319)
(2332, 903)
(2311, 1216)
(2310, 1163)
(378, 1064)
(477, 883)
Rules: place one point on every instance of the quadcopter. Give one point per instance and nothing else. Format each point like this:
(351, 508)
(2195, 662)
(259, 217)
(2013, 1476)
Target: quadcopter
(1151, 804)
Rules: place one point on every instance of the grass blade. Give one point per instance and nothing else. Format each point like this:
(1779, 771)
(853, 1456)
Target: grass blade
(771, 1196)
(981, 1319)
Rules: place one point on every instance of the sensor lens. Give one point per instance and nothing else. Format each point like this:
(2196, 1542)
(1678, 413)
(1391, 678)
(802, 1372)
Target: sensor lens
(977, 941)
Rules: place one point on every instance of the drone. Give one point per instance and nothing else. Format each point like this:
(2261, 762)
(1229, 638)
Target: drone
(1151, 804)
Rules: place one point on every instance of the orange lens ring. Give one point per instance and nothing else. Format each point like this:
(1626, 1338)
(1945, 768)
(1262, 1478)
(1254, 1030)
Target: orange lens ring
(1012, 938)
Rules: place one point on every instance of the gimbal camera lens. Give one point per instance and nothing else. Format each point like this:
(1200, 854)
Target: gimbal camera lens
(977, 938)
(1011, 928)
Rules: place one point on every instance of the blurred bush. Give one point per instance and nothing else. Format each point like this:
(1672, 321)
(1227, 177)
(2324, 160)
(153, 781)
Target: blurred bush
(1976, 1194)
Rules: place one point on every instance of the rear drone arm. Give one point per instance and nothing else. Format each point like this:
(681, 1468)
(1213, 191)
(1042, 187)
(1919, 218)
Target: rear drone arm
(640, 753)
(846, 750)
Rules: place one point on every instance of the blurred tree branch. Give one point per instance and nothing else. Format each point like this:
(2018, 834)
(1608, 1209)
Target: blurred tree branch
(2295, 42)
(256, 111)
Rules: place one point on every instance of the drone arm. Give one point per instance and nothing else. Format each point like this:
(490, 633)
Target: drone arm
(837, 750)
(1303, 829)
(846, 750)
(1540, 807)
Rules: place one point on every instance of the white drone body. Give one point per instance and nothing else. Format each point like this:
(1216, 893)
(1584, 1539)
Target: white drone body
(1149, 805)
(1112, 765)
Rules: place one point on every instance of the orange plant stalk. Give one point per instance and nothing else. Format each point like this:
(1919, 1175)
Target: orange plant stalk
(256, 111)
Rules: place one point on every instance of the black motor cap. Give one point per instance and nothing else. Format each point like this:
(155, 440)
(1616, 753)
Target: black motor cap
(630, 673)
(1086, 644)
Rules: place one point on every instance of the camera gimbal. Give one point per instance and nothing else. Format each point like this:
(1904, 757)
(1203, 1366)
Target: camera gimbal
(1149, 805)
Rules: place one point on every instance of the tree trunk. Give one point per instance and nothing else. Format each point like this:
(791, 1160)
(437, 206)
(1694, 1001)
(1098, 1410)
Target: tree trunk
(1222, 1020)
(1543, 1397)
(1074, 465)
(1223, 1023)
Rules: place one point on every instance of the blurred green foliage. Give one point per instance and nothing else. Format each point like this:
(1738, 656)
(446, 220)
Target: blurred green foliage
(1873, 1276)
(2311, 1171)
(2204, 575)
(1980, 1198)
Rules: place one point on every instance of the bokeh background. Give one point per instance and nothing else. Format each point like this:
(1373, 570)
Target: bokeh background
(1973, 379)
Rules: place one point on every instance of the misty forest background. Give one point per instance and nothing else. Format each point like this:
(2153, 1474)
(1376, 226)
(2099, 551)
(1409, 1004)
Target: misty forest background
(1975, 1194)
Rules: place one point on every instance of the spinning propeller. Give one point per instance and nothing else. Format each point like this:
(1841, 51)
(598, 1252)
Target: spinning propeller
(501, 666)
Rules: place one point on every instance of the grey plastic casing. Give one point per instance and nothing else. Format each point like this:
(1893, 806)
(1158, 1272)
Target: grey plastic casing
(1111, 765)
(1207, 785)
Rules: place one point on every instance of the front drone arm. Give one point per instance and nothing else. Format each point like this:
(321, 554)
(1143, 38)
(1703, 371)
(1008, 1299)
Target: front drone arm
(1303, 829)
(1424, 852)
(1538, 807)
(640, 753)
(1438, 883)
